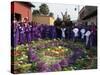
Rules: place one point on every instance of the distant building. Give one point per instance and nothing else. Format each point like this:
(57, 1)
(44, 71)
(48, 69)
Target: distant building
(20, 10)
(88, 14)
(43, 20)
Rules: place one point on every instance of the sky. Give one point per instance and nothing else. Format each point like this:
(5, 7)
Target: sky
(58, 8)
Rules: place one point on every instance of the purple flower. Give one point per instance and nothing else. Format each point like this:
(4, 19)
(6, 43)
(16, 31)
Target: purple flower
(77, 51)
(71, 60)
(34, 58)
(42, 67)
(30, 54)
(55, 67)
(63, 63)
(76, 54)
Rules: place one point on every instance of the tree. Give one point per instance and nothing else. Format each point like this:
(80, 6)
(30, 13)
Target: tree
(44, 9)
(36, 12)
(51, 14)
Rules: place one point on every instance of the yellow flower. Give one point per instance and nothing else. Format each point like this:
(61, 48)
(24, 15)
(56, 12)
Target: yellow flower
(66, 49)
(54, 39)
(48, 49)
(22, 58)
(59, 47)
(17, 47)
(18, 64)
(26, 56)
(21, 61)
(26, 45)
(57, 52)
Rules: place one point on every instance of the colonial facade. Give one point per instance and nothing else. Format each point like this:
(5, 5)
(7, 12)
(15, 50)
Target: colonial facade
(88, 14)
(20, 10)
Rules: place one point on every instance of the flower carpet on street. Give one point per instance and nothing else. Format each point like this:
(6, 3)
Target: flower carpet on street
(45, 55)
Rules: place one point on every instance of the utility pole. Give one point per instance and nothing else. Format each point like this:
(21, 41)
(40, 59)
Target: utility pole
(78, 9)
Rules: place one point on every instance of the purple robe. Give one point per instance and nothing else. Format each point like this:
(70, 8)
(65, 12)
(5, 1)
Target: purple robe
(21, 35)
(33, 32)
(27, 34)
(16, 36)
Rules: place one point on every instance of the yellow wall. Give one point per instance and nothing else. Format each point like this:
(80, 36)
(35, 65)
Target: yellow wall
(43, 20)
(52, 21)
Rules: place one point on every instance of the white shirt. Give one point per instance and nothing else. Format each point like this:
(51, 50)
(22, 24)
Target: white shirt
(75, 30)
(82, 31)
(87, 33)
(63, 32)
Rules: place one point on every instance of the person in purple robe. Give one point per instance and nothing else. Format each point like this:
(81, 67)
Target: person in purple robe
(30, 32)
(14, 34)
(21, 33)
(27, 30)
(27, 33)
(43, 31)
(38, 32)
(33, 31)
(51, 32)
(54, 32)
(93, 34)
(47, 32)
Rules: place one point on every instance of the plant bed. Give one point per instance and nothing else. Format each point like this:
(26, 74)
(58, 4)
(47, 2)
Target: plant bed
(51, 55)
